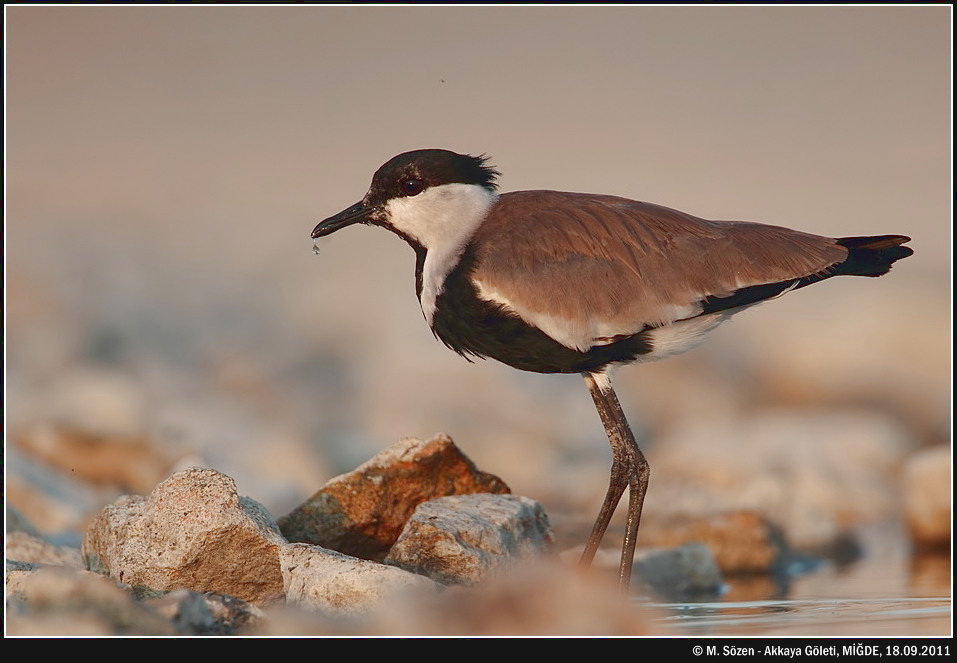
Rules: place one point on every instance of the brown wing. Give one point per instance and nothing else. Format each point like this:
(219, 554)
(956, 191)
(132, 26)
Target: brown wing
(587, 267)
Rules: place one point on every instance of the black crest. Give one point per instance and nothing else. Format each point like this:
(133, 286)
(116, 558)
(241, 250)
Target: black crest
(432, 167)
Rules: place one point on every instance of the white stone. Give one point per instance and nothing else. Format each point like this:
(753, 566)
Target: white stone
(339, 585)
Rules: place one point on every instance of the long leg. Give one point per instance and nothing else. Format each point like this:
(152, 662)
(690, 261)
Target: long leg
(628, 468)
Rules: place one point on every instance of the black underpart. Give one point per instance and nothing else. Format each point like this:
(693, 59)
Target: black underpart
(474, 327)
(867, 256)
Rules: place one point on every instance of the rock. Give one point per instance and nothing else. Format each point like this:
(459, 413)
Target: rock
(48, 600)
(130, 462)
(25, 547)
(927, 493)
(362, 513)
(53, 601)
(740, 541)
(686, 573)
(194, 532)
(338, 585)
(193, 613)
(465, 539)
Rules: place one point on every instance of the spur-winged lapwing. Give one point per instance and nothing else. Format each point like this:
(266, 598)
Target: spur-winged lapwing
(557, 282)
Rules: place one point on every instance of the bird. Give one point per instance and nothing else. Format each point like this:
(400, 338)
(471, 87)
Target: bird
(564, 282)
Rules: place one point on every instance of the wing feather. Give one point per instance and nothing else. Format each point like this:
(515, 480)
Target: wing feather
(585, 267)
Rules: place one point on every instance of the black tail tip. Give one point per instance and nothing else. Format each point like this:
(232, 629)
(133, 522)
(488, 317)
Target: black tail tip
(873, 256)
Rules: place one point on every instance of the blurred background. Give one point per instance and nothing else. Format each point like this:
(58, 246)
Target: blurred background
(166, 165)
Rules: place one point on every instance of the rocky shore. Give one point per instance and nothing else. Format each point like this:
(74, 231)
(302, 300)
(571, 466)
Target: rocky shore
(416, 541)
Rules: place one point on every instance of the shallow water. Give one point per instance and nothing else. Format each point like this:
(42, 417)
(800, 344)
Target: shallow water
(890, 592)
(899, 617)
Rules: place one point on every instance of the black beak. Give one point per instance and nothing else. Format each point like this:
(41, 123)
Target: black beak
(357, 213)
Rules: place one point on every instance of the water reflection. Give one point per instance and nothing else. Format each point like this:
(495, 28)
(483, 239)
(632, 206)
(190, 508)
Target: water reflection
(908, 596)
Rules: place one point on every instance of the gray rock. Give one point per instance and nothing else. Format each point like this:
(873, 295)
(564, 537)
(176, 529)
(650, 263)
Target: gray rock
(464, 539)
(685, 573)
(193, 613)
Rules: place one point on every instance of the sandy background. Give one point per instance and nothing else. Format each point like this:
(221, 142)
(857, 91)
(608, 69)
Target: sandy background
(165, 166)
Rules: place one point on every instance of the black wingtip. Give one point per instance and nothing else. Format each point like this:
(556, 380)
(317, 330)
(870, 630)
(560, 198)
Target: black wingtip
(866, 256)
(873, 256)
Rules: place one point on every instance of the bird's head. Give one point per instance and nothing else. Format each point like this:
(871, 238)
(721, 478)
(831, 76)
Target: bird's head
(423, 196)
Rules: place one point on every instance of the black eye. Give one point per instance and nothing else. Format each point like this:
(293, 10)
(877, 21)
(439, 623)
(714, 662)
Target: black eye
(411, 186)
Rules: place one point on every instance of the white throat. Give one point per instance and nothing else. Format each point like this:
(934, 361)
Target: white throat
(442, 219)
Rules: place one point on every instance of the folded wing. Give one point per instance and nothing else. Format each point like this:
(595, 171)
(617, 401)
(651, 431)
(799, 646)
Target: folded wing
(589, 269)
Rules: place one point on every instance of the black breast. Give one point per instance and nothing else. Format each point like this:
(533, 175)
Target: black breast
(474, 327)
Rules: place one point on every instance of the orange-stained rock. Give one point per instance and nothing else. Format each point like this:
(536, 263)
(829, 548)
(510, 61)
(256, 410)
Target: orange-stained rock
(361, 513)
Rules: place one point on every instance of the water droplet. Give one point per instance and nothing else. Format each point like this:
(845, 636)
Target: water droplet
(315, 247)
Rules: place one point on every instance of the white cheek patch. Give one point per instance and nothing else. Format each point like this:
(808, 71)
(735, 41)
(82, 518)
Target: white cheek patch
(442, 219)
